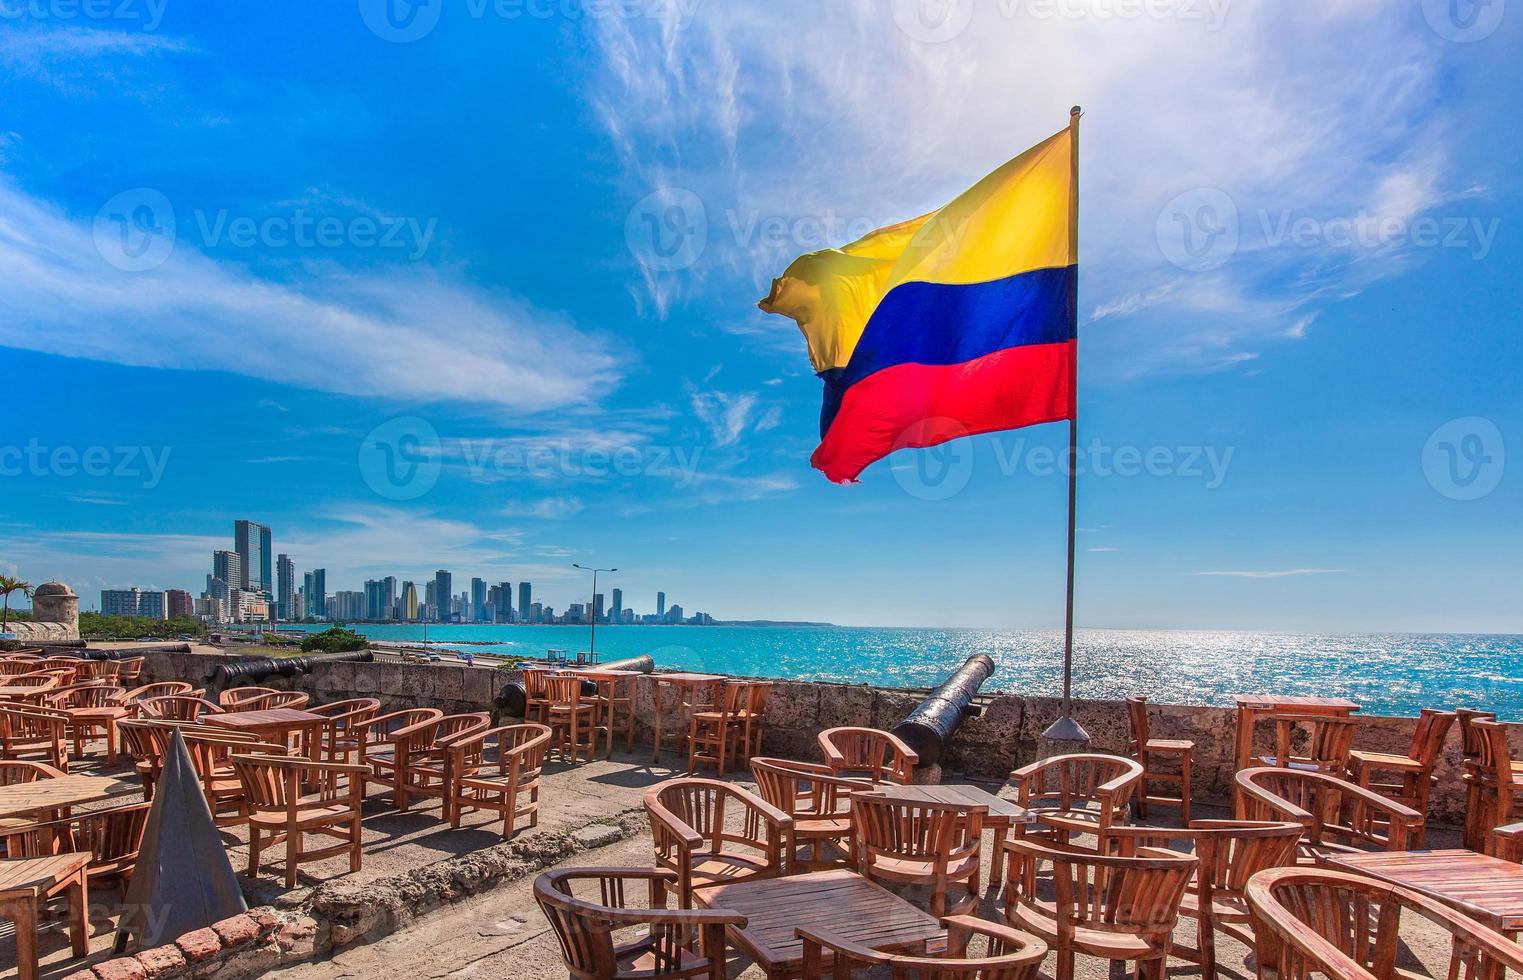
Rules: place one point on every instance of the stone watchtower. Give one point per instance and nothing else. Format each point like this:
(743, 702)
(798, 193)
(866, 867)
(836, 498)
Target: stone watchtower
(55, 615)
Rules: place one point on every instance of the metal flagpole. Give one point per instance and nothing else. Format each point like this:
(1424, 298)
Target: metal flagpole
(1065, 729)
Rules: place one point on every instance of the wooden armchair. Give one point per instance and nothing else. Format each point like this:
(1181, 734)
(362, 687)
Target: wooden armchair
(282, 808)
(1407, 779)
(1082, 793)
(1472, 776)
(38, 684)
(96, 670)
(34, 731)
(536, 694)
(13, 772)
(65, 667)
(339, 738)
(694, 839)
(111, 836)
(492, 769)
(1501, 802)
(912, 843)
(146, 740)
(129, 670)
(1009, 954)
(211, 753)
(586, 929)
(133, 698)
(386, 744)
(234, 698)
(1328, 741)
(275, 699)
(877, 755)
(1110, 906)
(1230, 853)
(819, 803)
(573, 717)
(16, 666)
(1349, 927)
(94, 709)
(426, 770)
(177, 707)
(1148, 751)
(1336, 816)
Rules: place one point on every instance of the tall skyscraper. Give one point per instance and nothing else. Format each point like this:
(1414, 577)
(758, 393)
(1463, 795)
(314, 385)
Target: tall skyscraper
(661, 606)
(525, 601)
(133, 602)
(597, 608)
(285, 588)
(616, 613)
(478, 612)
(252, 542)
(409, 602)
(504, 610)
(380, 598)
(444, 588)
(315, 588)
(228, 566)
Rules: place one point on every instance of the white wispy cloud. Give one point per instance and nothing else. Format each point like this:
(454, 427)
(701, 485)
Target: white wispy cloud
(409, 334)
(1317, 111)
(728, 416)
(549, 509)
(1286, 573)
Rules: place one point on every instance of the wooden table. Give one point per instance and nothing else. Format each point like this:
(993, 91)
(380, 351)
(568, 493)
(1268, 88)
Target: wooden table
(1251, 706)
(18, 691)
(274, 725)
(106, 716)
(688, 686)
(1485, 888)
(42, 796)
(837, 901)
(608, 682)
(26, 883)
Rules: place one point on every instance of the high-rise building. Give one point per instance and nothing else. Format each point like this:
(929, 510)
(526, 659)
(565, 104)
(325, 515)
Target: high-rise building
(285, 588)
(252, 542)
(380, 598)
(526, 611)
(504, 610)
(347, 607)
(478, 613)
(674, 614)
(133, 602)
(409, 602)
(661, 606)
(616, 612)
(181, 604)
(597, 608)
(315, 592)
(444, 587)
(536, 611)
(228, 566)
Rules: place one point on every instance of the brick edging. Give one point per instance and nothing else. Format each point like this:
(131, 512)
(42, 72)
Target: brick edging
(202, 952)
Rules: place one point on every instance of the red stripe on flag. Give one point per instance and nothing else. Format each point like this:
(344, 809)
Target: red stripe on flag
(916, 405)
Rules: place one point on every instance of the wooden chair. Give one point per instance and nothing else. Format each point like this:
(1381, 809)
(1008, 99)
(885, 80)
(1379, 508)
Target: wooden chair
(426, 771)
(96, 670)
(663, 949)
(340, 738)
(387, 743)
(211, 753)
(1472, 776)
(1230, 853)
(819, 803)
(110, 836)
(536, 694)
(1147, 750)
(1081, 793)
(34, 731)
(754, 718)
(1336, 816)
(1110, 906)
(492, 769)
(693, 837)
(877, 755)
(129, 670)
(1413, 773)
(94, 709)
(573, 716)
(1329, 740)
(1009, 954)
(291, 797)
(616, 698)
(14, 772)
(28, 883)
(1349, 927)
(715, 735)
(133, 699)
(40, 683)
(146, 741)
(16, 666)
(177, 707)
(913, 843)
(65, 666)
(275, 699)
(234, 698)
(1501, 782)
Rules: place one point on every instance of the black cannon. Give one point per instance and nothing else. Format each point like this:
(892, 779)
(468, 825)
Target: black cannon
(252, 670)
(512, 700)
(89, 654)
(929, 727)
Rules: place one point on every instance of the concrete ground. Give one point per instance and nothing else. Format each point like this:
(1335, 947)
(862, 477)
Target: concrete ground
(501, 932)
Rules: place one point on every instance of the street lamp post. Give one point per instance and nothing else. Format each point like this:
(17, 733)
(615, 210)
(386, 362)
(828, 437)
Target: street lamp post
(592, 611)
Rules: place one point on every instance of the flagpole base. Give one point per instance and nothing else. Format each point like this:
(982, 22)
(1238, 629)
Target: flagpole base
(1063, 737)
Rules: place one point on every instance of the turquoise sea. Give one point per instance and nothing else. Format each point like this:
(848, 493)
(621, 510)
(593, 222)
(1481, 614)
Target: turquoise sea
(1385, 673)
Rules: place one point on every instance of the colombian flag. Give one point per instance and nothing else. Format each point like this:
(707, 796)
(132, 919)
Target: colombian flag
(958, 322)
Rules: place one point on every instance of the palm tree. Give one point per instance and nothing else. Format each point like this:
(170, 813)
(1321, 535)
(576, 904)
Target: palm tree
(9, 584)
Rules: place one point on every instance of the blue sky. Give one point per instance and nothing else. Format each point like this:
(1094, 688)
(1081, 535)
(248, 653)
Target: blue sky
(472, 285)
